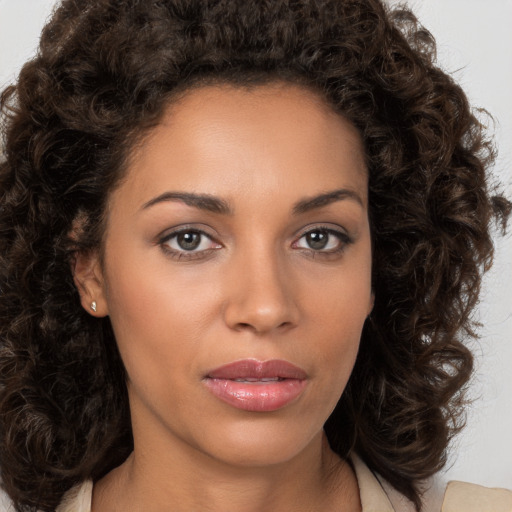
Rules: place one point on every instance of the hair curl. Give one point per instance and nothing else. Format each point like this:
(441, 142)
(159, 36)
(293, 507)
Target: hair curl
(104, 72)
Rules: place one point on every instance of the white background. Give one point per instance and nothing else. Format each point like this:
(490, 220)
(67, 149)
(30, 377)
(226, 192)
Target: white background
(475, 45)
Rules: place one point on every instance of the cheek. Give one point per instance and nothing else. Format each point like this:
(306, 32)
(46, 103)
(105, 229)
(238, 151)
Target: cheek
(337, 312)
(162, 320)
(147, 311)
(148, 296)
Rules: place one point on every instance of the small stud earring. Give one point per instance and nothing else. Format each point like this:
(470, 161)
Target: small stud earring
(94, 305)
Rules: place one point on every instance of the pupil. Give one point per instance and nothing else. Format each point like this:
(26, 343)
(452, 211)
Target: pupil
(317, 239)
(188, 241)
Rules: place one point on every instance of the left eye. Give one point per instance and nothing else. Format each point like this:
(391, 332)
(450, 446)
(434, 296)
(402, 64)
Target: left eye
(321, 240)
(189, 241)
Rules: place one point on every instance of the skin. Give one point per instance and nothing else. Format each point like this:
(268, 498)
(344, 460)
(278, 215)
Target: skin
(254, 288)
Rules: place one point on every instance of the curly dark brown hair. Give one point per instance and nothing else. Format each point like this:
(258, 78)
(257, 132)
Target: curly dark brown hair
(103, 74)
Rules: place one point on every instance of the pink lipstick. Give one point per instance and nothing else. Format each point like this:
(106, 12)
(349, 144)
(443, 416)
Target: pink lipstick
(259, 386)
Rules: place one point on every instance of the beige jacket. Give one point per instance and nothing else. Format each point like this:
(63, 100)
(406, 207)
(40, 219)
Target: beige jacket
(379, 496)
(376, 496)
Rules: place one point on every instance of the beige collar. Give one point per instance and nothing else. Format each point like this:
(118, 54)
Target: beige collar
(77, 499)
(373, 496)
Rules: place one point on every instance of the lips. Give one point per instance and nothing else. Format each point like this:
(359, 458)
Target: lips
(259, 386)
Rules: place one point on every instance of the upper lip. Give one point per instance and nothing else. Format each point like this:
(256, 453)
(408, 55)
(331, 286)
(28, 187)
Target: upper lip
(254, 369)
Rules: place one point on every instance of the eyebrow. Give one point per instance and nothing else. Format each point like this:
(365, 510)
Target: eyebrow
(205, 202)
(321, 200)
(215, 204)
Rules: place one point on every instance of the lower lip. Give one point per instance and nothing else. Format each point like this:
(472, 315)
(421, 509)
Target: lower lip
(256, 396)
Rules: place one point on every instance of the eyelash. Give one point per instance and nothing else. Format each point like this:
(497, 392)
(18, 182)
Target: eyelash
(343, 241)
(184, 255)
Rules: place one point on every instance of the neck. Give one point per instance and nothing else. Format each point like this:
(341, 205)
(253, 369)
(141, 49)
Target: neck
(152, 481)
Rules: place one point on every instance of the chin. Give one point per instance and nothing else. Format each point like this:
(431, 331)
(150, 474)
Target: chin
(262, 444)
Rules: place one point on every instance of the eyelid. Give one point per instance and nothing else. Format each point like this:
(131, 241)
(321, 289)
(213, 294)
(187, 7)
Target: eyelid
(337, 231)
(325, 226)
(169, 233)
(184, 254)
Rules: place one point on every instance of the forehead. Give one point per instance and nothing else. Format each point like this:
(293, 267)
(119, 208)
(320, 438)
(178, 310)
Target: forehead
(240, 141)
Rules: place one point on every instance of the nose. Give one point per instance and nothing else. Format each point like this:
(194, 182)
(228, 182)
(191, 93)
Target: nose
(261, 295)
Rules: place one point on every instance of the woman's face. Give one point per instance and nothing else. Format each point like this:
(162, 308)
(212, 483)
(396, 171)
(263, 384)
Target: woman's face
(236, 273)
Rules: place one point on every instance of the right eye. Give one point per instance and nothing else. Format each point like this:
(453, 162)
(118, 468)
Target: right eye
(188, 242)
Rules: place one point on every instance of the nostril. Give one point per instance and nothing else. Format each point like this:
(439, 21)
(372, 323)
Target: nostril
(245, 326)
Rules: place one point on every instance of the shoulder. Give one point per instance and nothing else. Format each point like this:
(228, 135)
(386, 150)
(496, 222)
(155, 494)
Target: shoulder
(377, 495)
(466, 497)
(454, 497)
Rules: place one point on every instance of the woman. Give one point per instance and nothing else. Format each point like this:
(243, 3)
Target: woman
(241, 245)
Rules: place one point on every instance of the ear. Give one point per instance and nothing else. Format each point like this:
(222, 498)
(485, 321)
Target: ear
(88, 277)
